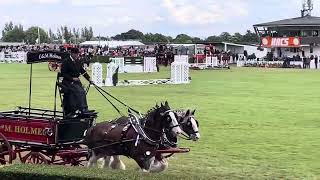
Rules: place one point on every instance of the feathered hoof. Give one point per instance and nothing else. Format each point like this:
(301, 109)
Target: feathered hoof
(117, 165)
(159, 166)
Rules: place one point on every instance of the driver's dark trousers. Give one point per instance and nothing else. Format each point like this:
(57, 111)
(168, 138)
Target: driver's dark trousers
(74, 97)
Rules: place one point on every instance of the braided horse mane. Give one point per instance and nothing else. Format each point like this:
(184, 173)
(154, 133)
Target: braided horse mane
(148, 115)
(151, 112)
(180, 114)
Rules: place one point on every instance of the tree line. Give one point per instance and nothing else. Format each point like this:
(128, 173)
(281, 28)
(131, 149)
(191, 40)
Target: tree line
(248, 37)
(64, 34)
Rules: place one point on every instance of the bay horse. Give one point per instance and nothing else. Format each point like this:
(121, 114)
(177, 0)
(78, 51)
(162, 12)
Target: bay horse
(188, 124)
(139, 142)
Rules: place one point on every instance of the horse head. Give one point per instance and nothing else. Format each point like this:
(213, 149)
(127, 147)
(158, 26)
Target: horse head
(169, 119)
(190, 125)
(163, 118)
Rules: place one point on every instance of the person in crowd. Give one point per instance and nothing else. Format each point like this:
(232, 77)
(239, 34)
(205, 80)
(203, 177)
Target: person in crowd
(308, 60)
(316, 61)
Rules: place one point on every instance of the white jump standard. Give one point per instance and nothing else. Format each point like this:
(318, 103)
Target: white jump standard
(97, 71)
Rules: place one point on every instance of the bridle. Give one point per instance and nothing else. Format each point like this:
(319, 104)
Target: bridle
(192, 132)
(140, 128)
(167, 128)
(168, 113)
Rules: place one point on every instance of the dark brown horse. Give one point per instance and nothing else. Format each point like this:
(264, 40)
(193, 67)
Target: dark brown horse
(139, 142)
(188, 124)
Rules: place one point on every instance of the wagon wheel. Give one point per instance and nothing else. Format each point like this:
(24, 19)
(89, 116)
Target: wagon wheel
(34, 158)
(6, 152)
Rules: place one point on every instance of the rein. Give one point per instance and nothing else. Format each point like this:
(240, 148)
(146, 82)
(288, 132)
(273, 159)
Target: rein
(103, 93)
(114, 143)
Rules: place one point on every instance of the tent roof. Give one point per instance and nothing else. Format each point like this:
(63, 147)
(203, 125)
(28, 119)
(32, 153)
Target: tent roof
(112, 44)
(12, 43)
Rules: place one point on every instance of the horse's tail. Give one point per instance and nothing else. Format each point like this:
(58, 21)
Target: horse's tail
(87, 133)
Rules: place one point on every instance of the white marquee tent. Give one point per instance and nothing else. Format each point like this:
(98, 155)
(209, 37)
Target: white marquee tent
(112, 44)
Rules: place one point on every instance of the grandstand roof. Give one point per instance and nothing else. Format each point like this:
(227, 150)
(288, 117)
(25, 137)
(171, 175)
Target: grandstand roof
(299, 21)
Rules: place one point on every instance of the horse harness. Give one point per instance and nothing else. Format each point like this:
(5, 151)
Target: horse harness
(138, 125)
(134, 121)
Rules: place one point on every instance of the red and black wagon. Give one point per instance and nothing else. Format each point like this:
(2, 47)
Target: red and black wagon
(42, 136)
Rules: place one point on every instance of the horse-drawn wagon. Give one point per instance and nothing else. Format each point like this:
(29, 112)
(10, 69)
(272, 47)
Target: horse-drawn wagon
(42, 136)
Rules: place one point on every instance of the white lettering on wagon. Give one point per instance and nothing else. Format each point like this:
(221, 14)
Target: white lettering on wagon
(49, 56)
(23, 130)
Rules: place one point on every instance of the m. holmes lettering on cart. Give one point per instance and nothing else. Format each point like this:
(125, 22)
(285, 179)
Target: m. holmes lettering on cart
(23, 130)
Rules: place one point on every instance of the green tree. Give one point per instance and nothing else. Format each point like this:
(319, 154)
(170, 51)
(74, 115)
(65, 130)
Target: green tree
(76, 35)
(155, 38)
(7, 27)
(131, 34)
(183, 38)
(52, 36)
(67, 34)
(250, 37)
(90, 33)
(59, 35)
(32, 35)
(64, 34)
(213, 39)
(13, 34)
(83, 33)
(170, 39)
(225, 36)
(236, 38)
(196, 40)
(87, 33)
(102, 38)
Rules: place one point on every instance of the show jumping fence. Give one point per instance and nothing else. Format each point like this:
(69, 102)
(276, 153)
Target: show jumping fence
(13, 57)
(179, 74)
(135, 65)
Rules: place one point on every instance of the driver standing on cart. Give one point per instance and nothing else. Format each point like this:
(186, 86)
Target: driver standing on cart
(74, 100)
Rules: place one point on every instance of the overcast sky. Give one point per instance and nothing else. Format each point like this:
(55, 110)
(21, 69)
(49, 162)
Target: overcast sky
(200, 18)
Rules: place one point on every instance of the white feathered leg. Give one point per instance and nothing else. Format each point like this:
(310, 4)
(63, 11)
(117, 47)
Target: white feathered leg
(116, 163)
(158, 166)
(106, 161)
(92, 160)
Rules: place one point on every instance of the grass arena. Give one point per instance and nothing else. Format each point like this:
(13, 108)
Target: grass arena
(254, 123)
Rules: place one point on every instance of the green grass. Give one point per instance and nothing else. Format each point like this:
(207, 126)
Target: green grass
(255, 123)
